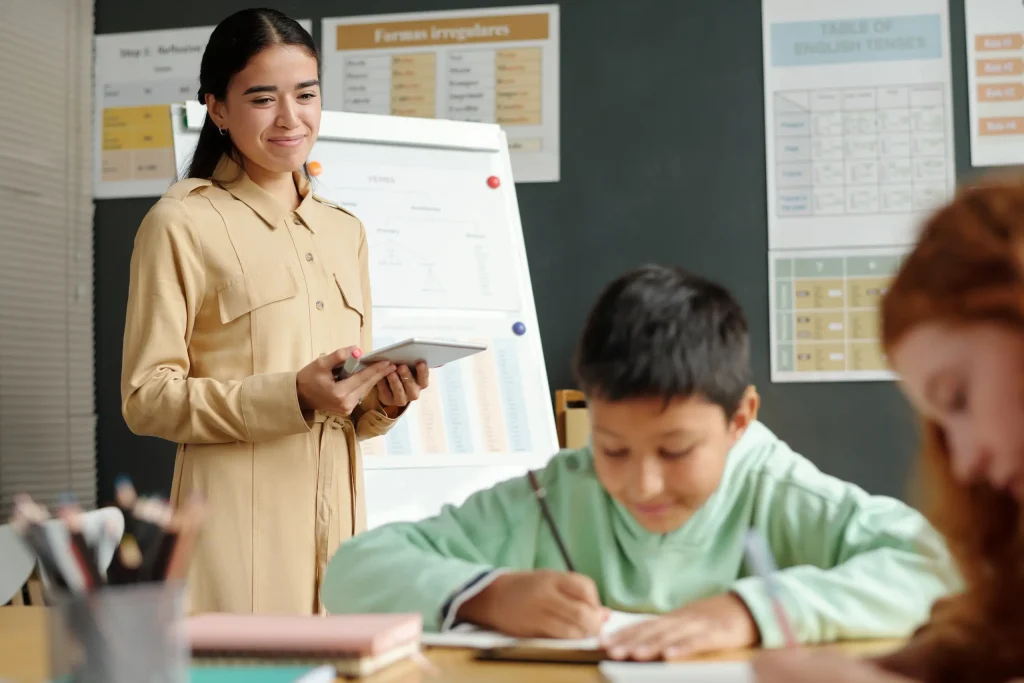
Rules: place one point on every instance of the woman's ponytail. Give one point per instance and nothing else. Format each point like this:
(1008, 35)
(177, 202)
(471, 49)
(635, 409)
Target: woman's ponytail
(211, 147)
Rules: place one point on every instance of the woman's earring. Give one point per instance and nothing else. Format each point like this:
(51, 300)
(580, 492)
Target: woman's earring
(223, 131)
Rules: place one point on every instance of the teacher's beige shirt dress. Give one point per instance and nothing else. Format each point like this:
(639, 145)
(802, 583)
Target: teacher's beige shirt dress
(230, 295)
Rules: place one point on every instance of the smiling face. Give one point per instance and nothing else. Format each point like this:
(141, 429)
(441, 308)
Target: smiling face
(272, 109)
(969, 381)
(662, 463)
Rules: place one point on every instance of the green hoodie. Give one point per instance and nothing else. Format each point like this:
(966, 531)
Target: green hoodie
(851, 565)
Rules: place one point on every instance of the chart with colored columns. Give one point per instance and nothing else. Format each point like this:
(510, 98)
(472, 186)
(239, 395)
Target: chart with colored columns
(137, 143)
(474, 406)
(826, 316)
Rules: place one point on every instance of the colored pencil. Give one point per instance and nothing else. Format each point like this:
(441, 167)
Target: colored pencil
(541, 496)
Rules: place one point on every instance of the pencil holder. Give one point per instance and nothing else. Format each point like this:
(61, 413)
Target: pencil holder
(120, 634)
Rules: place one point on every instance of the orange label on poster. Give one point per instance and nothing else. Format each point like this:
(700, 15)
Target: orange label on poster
(1006, 41)
(484, 29)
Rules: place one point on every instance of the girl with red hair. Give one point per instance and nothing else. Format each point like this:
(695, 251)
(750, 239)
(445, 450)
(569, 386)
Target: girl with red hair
(953, 330)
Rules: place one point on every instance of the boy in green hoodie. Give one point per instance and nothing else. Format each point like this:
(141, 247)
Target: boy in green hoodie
(655, 510)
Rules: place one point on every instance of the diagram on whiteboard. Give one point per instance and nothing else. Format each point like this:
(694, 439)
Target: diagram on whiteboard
(859, 149)
(436, 238)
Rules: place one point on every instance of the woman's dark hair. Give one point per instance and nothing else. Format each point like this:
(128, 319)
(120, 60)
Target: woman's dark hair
(235, 41)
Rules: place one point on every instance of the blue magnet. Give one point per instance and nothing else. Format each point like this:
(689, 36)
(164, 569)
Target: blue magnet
(519, 329)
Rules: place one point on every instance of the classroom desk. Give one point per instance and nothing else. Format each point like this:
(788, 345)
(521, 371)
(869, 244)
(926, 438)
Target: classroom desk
(23, 658)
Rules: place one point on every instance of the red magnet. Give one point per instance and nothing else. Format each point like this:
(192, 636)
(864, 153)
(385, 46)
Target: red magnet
(493, 182)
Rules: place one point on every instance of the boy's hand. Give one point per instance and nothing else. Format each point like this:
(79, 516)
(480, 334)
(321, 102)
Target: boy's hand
(538, 604)
(718, 623)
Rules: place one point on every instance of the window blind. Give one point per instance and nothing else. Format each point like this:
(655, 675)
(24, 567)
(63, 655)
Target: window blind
(47, 412)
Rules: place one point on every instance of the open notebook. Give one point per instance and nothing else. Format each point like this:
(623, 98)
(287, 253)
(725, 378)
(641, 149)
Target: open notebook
(467, 635)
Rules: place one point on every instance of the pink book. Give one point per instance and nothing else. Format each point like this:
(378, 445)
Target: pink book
(335, 636)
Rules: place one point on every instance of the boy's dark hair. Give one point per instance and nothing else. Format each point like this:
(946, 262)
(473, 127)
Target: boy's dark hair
(664, 332)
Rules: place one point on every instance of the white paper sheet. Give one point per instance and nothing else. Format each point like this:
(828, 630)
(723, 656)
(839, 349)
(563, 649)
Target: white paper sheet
(467, 635)
(677, 672)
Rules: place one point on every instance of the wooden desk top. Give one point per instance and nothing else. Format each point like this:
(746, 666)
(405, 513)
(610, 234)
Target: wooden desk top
(23, 658)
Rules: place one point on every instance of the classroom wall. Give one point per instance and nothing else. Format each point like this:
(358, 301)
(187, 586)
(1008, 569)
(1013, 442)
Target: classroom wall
(662, 161)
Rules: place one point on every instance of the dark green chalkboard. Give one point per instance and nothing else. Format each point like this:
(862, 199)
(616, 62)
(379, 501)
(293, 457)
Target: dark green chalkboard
(662, 136)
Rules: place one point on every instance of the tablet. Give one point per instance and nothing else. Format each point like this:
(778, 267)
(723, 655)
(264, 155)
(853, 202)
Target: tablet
(434, 352)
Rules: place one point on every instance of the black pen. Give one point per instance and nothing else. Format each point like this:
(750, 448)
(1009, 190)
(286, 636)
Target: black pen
(539, 492)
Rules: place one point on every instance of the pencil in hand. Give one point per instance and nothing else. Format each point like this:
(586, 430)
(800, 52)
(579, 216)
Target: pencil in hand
(541, 495)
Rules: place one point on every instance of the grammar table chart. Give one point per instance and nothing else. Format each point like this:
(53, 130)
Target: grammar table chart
(860, 150)
(858, 153)
(826, 311)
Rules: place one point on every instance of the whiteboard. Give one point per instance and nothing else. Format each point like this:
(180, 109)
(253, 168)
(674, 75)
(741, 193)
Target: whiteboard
(448, 261)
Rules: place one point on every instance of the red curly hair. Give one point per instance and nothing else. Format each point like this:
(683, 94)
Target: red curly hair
(967, 267)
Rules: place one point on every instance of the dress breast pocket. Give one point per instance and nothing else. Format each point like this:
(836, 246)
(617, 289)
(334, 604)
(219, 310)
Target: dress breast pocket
(253, 291)
(353, 310)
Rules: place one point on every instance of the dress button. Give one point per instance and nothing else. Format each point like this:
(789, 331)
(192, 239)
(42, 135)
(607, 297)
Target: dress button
(297, 221)
(319, 305)
(309, 257)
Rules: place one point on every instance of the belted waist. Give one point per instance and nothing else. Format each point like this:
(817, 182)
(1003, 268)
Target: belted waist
(337, 511)
(320, 417)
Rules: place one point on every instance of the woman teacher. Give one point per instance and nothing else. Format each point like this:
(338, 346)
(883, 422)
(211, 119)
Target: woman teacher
(246, 292)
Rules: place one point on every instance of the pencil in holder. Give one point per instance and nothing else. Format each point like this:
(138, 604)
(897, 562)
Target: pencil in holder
(133, 633)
